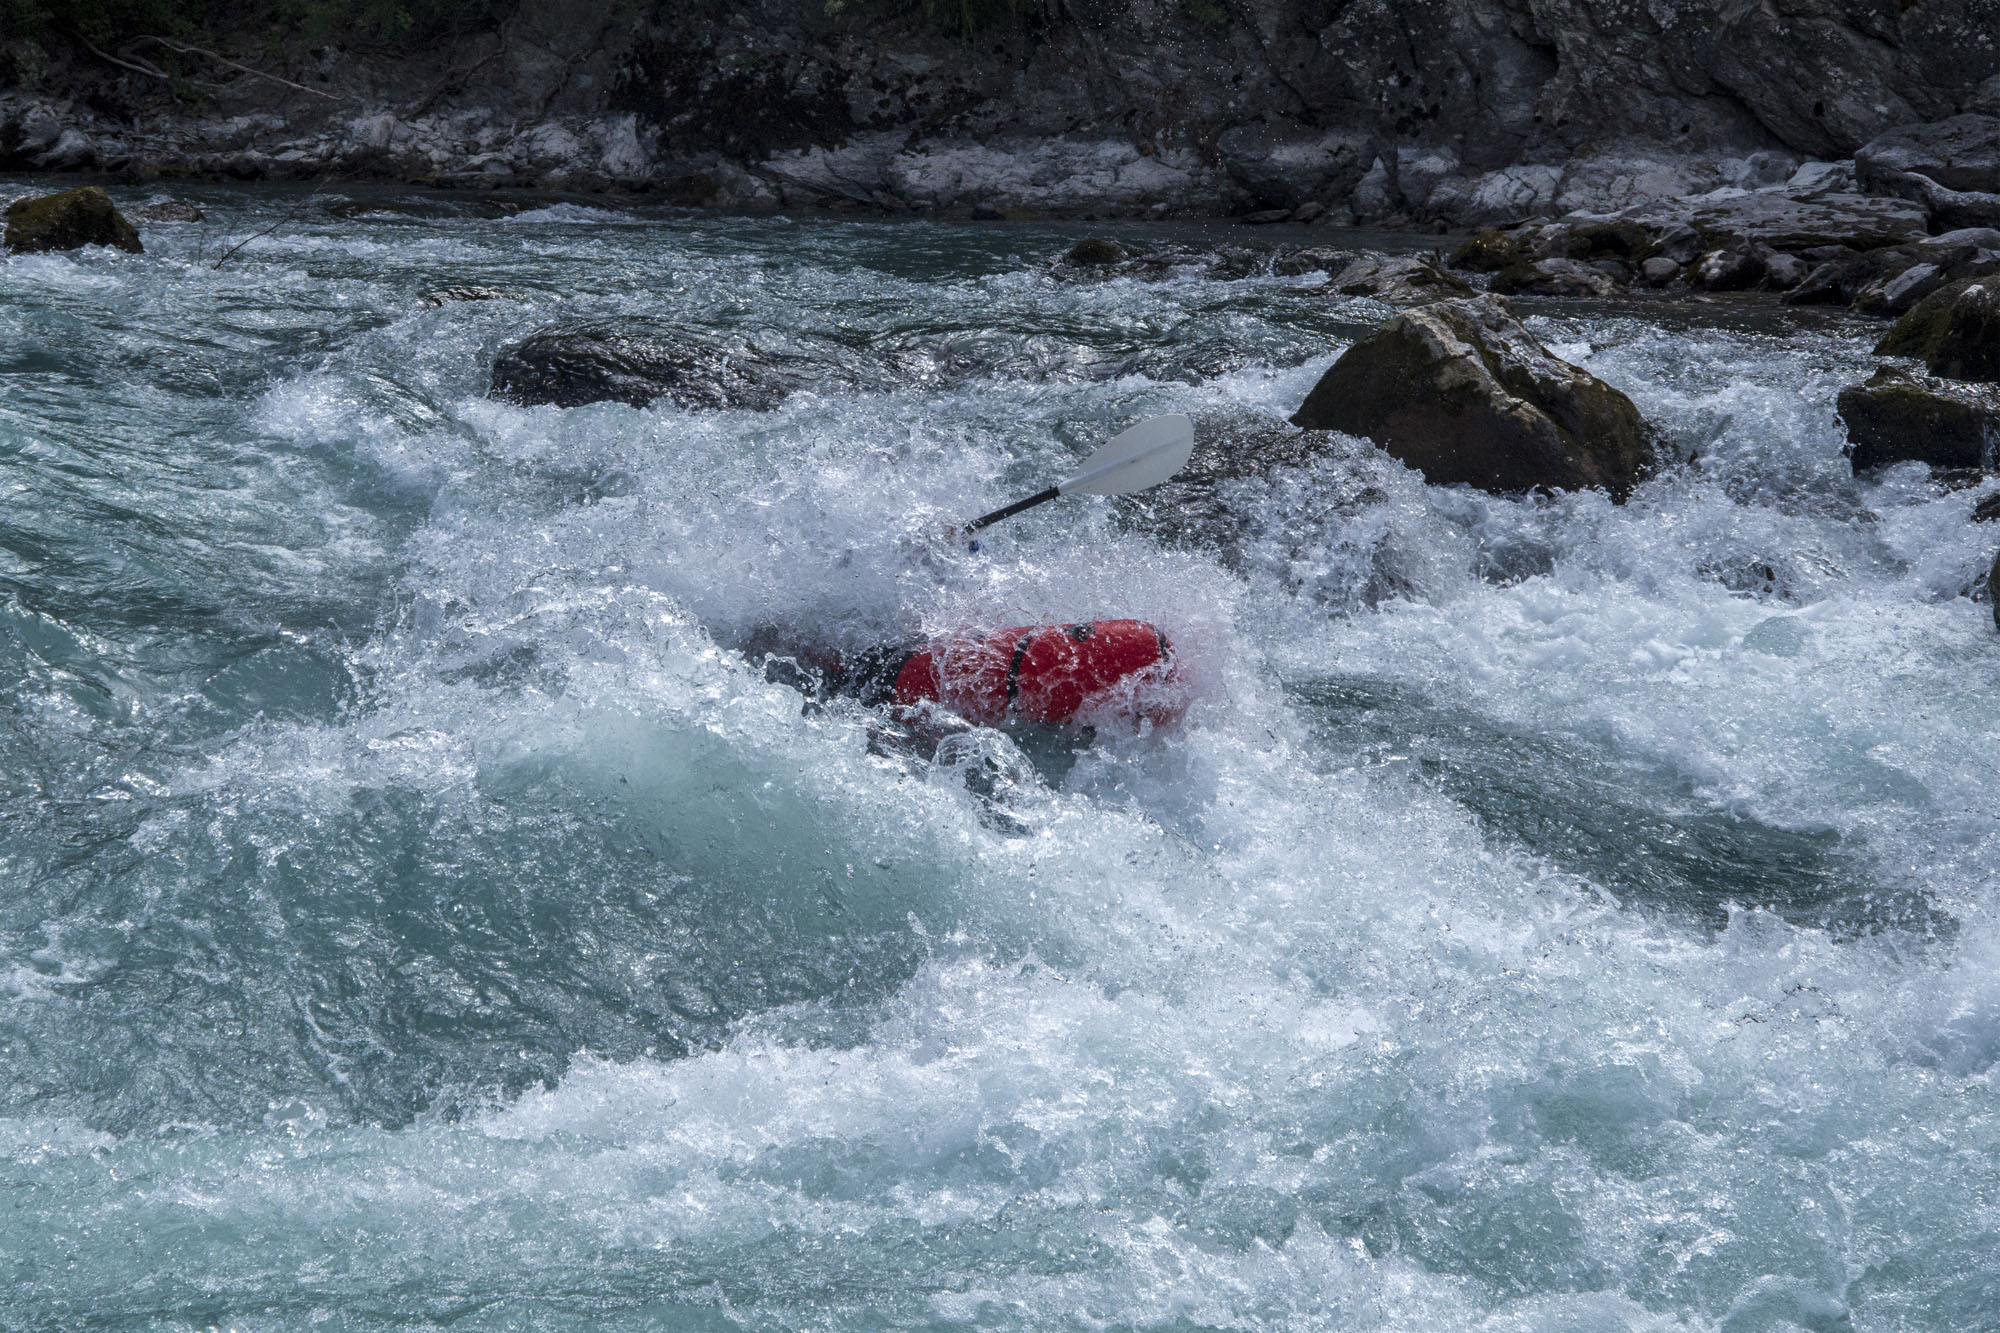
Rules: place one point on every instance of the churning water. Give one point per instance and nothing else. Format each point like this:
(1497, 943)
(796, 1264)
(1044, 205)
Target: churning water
(416, 912)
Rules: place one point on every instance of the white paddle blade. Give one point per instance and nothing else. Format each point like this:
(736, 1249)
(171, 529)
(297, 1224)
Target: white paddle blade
(1146, 455)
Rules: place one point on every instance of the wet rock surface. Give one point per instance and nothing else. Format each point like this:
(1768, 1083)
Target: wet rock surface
(1950, 166)
(1896, 417)
(69, 221)
(636, 365)
(1553, 277)
(1398, 279)
(1464, 393)
(1955, 331)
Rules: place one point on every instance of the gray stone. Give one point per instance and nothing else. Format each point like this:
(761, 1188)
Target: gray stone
(1775, 219)
(1897, 417)
(1896, 293)
(1959, 153)
(1462, 392)
(1553, 277)
(1286, 165)
(1731, 270)
(1955, 331)
(1784, 272)
(1401, 279)
(636, 365)
(1659, 270)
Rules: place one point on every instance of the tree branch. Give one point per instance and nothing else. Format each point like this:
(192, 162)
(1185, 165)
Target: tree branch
(186, 50)
(292, 216)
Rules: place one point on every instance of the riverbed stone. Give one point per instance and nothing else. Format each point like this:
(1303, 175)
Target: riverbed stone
(1462, 392)
(1398, 278)
(1955, 331)
(1553, 277)
(1732, 269)
(1897, 417)
(582, 364)
(1491, 250)
(1095, 252)
(69, 221)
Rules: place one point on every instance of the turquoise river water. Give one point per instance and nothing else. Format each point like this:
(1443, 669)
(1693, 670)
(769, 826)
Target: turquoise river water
(415, 913)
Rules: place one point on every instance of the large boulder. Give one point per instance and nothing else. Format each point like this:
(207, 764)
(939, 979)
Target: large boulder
(69, 221)
(1959, 153)
(1400, 278)
(569, 367)
(1462, 392)
(1778, 220)
(1955, 331)
(1952, 167)
(1897, 417)
(1553, 277)
(1281, 166)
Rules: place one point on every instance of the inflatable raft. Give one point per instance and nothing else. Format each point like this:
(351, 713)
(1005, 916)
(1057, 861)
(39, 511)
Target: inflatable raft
(1080, 674)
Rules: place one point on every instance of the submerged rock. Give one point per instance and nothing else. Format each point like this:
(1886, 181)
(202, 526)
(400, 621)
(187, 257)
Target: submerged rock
(446, 295)
(69, 221)
(1897, 417)
(1095, 252)
(1462, 392)
(170, 210)
(1955, 331)
(1404, 278)
(571, 367)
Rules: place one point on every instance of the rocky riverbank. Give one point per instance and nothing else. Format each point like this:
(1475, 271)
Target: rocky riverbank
(1466, 113)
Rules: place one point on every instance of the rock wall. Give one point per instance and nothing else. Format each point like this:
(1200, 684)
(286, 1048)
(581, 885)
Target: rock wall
(1457, 110)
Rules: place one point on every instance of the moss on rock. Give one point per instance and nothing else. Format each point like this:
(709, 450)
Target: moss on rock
(1462, 392)
(69, 221)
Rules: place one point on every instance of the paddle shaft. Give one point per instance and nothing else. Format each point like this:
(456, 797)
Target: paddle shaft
(1039, 497)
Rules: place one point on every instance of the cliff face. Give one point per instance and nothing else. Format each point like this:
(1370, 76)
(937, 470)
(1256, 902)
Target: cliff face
(1456, 109)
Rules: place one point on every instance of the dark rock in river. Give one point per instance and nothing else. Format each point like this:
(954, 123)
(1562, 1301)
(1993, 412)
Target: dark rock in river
(1095, 252)
(1897, 417)
(170, 210)
(1553, 277)
(570, 367)
(1490, 251)
(69, 221)
(1404, 278)
(447, 295)
(1462, 392)
(1955, 331)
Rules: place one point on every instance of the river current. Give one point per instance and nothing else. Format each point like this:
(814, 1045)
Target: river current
(415, 913)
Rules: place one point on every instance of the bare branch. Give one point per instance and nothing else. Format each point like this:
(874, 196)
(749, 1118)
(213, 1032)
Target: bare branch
(186, 50)
(145, 67)
(292, 216)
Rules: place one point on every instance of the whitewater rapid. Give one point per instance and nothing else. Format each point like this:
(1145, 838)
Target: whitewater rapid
(1550, 915)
